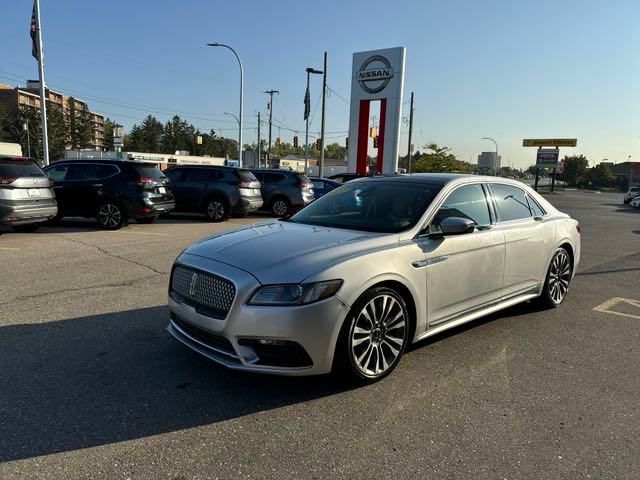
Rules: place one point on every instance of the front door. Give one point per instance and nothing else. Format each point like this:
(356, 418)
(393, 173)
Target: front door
(464, 272)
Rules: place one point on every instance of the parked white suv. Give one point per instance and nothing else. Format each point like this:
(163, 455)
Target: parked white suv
(632, 193)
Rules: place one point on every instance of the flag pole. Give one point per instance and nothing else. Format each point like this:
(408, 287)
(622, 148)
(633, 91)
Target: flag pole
(43, 101)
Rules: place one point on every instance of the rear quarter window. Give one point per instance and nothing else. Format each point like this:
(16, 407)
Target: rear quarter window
(246, 176)
(149, 171)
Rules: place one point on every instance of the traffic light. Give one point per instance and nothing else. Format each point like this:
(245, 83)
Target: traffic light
(318, 143)
(375, 142)
(295, 141)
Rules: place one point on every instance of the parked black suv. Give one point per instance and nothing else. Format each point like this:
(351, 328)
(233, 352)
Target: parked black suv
(216, 191)
(112, 191)
(284, 191)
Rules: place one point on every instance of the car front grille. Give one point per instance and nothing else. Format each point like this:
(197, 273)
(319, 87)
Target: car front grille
(209, 294)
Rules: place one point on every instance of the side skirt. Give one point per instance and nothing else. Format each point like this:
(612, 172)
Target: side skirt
(475, 315)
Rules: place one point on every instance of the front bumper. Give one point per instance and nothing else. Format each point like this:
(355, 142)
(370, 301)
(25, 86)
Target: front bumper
(312, 329)
(13, 212)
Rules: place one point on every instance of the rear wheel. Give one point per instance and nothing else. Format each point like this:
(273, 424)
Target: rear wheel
(374, 336)
(556, 285)
(280, 207)
(31, 227)
(111, 215)
(216, 210)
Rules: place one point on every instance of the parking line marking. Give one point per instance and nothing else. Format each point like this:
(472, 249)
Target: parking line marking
(605, 307)
(9, 248)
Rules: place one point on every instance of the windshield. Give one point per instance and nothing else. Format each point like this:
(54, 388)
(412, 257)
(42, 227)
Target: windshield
(373, 206)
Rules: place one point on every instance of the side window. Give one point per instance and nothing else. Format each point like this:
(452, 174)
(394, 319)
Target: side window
(536, 209)
(199, 175)
(319, 184)
(82, 171)
(105, 171)
(216, 175)
(259, 176)
(468, 201)
(57, 173)
(511, 202)
(174, 174)
(272, 177)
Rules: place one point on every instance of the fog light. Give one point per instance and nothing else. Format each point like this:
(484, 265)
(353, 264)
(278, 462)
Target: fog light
(269, 341)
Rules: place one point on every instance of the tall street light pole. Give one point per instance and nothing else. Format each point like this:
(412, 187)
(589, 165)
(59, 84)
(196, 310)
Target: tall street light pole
(495, 162)
(270, 93)
(409, 149)
(309, 71)
(241, 100)
(324, 101)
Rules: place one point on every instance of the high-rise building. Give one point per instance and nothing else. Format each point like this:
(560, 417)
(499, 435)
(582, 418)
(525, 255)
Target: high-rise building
(15, 98)
(487, 161)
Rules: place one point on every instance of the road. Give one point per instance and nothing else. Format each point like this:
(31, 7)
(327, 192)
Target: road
(93, 387)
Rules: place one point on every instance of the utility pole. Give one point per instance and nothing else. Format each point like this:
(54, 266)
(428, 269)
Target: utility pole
(259, 159)
(410, 132)
(324, 100)
(270, 93)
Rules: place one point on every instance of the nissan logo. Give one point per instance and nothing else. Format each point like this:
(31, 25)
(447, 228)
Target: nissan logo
(374, 74)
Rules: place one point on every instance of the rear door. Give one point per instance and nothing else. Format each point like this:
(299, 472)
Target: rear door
(196, 187)
(529, 239)
(83, 187)
(177, 184)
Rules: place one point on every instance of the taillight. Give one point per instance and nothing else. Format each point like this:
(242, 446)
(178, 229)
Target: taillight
(145, 180)
(304, 184)
(579, 228)
(244, 185)
(7, 180)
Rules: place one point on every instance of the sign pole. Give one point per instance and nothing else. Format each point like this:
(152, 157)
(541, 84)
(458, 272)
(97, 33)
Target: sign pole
(553, 180)
(535, 187)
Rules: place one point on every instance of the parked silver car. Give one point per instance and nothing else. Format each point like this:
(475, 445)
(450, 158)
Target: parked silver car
(349, 281)
(26, 197)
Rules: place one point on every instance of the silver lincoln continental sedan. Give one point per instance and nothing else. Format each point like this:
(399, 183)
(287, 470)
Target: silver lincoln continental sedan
(345, 284)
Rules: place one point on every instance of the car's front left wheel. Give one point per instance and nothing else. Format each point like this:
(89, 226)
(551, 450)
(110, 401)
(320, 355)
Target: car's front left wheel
(374, 336)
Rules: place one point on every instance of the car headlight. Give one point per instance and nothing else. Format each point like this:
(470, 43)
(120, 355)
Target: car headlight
(292, 294)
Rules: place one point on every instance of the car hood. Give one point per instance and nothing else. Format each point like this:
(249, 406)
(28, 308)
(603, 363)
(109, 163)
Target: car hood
(284, 252)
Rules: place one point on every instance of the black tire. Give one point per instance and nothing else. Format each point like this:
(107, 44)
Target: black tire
(556, 285)
(353, 360)
(111, 215)
(280, 207)
(216, 209)
(146, 220)
(28, 228)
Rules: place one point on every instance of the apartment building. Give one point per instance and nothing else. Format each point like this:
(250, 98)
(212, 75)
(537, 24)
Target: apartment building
(14, 98)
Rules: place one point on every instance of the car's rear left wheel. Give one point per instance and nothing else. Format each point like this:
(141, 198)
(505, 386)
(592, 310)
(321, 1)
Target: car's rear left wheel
(280, 207)
(111, 215)
(216, 210)
(374, 336)
(556, 284)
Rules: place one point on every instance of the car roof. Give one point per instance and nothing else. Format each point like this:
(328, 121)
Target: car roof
(440, 179)
(16, 158)
(275, 170)
(221, 167)
(110, 161)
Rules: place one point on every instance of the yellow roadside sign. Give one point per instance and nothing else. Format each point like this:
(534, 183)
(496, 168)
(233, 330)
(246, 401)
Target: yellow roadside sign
(549, 142)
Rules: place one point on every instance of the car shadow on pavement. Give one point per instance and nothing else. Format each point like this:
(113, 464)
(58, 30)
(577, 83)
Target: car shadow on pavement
(101, 379)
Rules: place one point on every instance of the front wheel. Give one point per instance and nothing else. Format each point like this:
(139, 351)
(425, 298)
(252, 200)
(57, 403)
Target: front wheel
(556, 285)
(374, 336)
(111, 216)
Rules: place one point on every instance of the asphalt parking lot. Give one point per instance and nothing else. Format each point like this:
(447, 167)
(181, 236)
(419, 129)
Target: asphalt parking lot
(93, 387)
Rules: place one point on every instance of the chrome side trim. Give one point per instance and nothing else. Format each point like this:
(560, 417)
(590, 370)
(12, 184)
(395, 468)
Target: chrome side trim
(475, 315)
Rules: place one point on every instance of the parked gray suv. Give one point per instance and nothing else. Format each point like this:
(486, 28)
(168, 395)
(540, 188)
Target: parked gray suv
(26, 197)
(284, 191)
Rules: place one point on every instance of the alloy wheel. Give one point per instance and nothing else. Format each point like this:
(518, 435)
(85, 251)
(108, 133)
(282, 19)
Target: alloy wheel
(109, 215)
(280, 207)
(559, 276)
(378, 336)
(215, 210)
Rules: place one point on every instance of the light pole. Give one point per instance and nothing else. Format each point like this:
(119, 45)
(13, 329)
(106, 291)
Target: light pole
(25, 126)
(241, 91)
(495, 162)
(234, 116)
(309, 71)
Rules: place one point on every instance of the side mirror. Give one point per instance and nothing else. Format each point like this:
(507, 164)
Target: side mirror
(455, 226)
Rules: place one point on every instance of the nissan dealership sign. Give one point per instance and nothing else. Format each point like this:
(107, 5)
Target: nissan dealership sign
(375, 73)
(376, 82)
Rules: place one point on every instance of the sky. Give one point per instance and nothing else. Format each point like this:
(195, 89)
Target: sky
(505, 69)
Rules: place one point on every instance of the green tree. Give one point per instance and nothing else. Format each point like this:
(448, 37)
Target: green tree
(335, 150)
(108, 134)
(146, 137)
(575, 169)
(178, 134)
(600, 176)
(57, 131)
(440, 159)
(29, 138)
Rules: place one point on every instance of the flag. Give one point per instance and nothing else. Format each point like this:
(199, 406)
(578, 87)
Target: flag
(33, 31)
(307, 104)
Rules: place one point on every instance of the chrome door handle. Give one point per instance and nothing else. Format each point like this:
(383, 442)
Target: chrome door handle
(429, 261)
